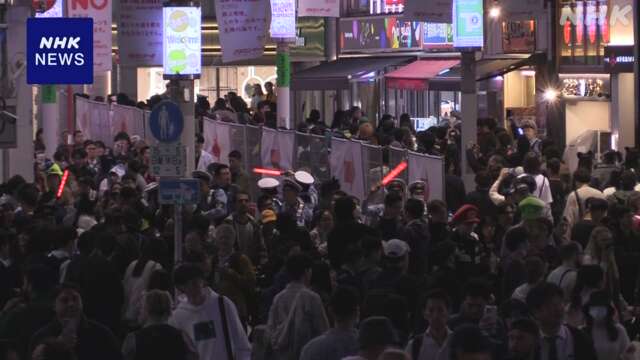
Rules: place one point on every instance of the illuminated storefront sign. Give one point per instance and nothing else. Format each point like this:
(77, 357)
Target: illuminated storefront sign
(519, 36)
(618, 59)
(437, 36)
(585, 87)
(181, 51)
(468, 27)
(379, 34)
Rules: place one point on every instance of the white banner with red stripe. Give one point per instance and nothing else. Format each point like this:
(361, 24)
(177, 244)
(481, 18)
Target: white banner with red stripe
(276, 150)
(128, 119)
(217, 140)
(347, 167)
(429, 169)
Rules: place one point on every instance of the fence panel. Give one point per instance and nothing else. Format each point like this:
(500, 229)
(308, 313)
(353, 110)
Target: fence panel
(312, 155)
(396, 156)
(252, 159)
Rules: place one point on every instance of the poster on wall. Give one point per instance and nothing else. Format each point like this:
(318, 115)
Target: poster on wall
(437, 11)
(468, 27)
(242, 28)
(379, 34)
(437, 36)
(283, 19)
(319, 8)
(54, 11)
(519, 36)
(140, 33)
(181, 51)
(100, 11)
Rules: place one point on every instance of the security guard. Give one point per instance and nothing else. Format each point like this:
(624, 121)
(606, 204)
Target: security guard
(293, 204)
(309, 193)
(269, 186)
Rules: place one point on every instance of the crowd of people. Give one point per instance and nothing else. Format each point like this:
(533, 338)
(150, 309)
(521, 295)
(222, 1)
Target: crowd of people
(533, 264)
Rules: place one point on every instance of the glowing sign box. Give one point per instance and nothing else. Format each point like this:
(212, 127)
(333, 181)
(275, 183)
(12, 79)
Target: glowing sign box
(181, 44)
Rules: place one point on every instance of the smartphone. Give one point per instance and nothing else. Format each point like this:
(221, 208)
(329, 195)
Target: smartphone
(520, 131)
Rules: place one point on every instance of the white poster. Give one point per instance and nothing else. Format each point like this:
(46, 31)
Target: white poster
(217, 136)
(283, 19)
(347, 167)
(100, 11)
(433, 11)
(429, 169)
(242, 27)
(182, 34)
(276, 150)
(319, 8)
(128, 119)
(94, 120)
(140, 33)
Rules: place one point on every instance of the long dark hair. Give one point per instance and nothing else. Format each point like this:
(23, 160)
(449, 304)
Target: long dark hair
(588, 277)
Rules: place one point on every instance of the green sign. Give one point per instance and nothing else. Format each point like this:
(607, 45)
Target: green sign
(48, 94)
(283, 64)
(468, 24)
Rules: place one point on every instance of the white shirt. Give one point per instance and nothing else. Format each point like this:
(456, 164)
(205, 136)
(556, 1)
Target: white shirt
(565, 277)
(430, 349)
(564, 345)
(521, 292)
(204, 161)
(543, 190)
(607, 349)
(610, 190)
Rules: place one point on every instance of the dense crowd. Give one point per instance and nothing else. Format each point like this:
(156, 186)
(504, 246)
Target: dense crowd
(535, 263)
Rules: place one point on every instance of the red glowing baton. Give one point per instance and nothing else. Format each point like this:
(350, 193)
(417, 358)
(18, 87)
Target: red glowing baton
(394, 173)
(65, 176)
(272, 172)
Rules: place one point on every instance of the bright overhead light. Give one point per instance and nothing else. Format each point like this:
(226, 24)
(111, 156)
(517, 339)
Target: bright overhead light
(551, 95)
(494, 12)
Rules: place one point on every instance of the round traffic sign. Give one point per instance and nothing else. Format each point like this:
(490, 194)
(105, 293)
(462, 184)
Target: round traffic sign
(166, 121)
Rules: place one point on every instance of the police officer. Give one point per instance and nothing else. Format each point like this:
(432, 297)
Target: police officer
(269, 187)
(293, 204)
(309, 193)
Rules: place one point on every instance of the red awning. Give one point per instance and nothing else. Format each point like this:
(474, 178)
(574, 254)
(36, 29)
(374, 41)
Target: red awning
(416, 75)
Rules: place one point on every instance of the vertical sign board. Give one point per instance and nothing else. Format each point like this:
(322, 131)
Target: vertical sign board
(181, 51)
(140, 33)
(59, 51)
(468, 27)
(242, 27)
(100, 12)
(283, 19)
(54, 11)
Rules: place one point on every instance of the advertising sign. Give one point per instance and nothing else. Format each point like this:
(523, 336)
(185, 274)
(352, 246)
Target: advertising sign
(468, 30)
(140, 33)
(100, 12)
(283, 66)
(178, 191)
(437, 11)
(242, 28)
(181, 51)
(437, 36)
(59, 51)
(283, 19)
(319, 8)
(519, 36)
(379, 34)
(168, 159)
(619, 59)
(54, 11)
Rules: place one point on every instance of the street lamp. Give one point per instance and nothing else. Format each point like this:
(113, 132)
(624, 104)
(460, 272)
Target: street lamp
(551, 95)
(494, 11)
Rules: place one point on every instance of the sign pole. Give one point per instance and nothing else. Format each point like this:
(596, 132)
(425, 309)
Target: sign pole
(283, 65)
(177, 234)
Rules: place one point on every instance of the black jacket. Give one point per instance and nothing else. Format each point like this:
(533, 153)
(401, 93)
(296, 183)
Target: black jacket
(416, 234)
(94, 341)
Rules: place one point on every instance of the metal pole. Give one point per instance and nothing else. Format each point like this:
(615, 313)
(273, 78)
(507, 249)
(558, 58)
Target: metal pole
(177, 234)
(636, 68)
(283, 62)
(469, 107)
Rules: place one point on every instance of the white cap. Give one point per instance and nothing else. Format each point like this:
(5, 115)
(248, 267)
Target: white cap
(304, 177)
(396, 248)
(268, 183)
(118, 170)
(151, 186)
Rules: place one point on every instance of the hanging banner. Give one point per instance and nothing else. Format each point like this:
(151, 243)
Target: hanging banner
(276, 151)
(94, 120)
(140, 33)
(283, 19)
(100, 11)
(217, 137)
(347, 167)
(429, 169)
(319, 8)
(128, 119)
(437, 11)
(242, 27)
(519, 36)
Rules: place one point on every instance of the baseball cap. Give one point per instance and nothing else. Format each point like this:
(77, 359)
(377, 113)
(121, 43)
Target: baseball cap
(396, 248)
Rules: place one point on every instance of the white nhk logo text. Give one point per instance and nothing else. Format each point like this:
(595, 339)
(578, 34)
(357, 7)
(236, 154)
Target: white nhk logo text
(53, 58)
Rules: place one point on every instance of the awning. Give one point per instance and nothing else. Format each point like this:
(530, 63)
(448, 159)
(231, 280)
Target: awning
(338, 74)
(485, 69)
(416, 75)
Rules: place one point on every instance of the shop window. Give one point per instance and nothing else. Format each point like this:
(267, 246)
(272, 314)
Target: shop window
(375, 7)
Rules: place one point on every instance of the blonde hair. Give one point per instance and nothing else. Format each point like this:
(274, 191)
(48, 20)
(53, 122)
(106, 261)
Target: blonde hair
(158, 304)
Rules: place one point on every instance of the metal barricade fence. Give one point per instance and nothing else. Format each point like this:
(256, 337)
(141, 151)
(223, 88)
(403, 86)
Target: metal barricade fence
(372, 162)
(396, 156)
(312, 155)
(251, 156)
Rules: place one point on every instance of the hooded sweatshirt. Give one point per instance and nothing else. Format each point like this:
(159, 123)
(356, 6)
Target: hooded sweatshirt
(203, 324)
